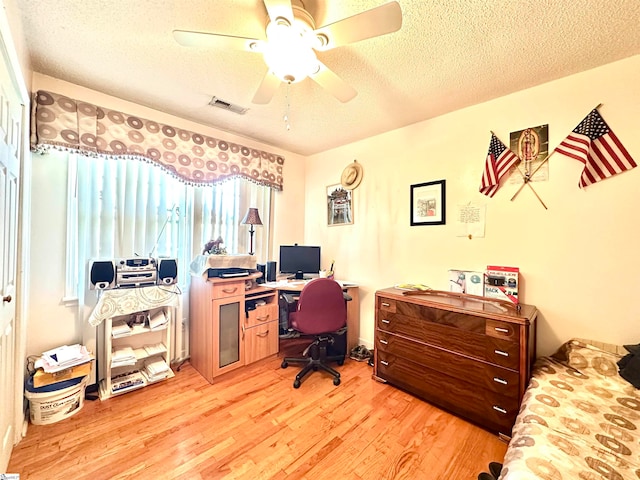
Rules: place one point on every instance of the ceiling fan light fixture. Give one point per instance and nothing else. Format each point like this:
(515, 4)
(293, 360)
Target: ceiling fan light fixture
(287, 54)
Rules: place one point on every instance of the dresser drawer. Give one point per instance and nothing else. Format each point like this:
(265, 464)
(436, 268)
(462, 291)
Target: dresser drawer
(503, 353)
(485, 407)
(386, 304)
(262, 314)
(446, 336)
(231, 289)
(483, 375)
(503, 330)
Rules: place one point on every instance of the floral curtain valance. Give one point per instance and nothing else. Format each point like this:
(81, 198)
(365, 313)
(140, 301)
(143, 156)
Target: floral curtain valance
(62, 122)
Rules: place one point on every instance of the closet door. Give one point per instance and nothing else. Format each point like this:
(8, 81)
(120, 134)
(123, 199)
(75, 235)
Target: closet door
(11, 135)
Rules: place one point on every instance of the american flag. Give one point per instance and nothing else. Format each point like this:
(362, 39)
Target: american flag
(499, 160)
(594, 144)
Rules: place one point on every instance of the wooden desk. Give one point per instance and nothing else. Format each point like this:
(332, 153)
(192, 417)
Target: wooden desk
(223, 335)
(353, 306)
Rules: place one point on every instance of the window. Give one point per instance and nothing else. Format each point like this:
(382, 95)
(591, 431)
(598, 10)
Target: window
(123, 208)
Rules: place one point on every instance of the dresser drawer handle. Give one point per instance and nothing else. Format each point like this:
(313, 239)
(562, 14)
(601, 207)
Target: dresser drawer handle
(263, 318)
(384, 304)
(500, 352)
(386, 364)
(500, 380)
(229, 290)
(263, 334)
(385, 321)
(501, 330)
(384, 342)
(499, 409)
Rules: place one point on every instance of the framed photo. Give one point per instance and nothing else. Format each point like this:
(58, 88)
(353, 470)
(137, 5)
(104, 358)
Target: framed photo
(339, 205)
(428, 203)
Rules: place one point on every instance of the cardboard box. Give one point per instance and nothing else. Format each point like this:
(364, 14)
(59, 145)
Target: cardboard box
(502, 283)
(465, 281)
(41, 378)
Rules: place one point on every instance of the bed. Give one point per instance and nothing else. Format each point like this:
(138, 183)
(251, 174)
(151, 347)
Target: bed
(579, 419)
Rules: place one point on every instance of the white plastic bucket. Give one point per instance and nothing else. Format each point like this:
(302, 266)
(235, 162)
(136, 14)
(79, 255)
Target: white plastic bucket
(55, 402)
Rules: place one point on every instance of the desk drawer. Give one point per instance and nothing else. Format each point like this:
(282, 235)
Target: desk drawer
(231, 289)
(261, 341)
(262, 314)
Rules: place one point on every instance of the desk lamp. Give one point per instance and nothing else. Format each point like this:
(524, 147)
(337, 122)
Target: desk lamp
(251, 218)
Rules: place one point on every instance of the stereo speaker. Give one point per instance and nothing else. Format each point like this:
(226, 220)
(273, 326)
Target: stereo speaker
(102, 275)
(167, 271)
(271, 271)
(262, 269)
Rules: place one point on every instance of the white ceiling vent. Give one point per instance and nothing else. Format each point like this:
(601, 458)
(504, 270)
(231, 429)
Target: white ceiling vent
(216, 102)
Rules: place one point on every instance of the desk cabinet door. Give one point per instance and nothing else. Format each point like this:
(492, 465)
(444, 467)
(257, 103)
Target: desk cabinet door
(228, 338)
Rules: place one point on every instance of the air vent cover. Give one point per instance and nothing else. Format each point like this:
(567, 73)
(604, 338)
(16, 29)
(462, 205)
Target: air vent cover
(216, 102)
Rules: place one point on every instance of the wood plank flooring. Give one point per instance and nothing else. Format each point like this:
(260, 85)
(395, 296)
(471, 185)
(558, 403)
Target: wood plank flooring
(252, 424)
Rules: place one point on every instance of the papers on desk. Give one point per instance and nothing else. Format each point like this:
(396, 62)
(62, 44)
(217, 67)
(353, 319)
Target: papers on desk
(63, 357)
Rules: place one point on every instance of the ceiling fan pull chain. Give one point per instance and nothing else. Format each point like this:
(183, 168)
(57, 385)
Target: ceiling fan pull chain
(287, 110)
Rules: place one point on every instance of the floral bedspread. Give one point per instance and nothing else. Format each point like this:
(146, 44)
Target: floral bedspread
(579, 420)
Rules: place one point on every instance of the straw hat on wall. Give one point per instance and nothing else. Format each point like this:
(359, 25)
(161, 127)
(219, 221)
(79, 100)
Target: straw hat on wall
(352, 176)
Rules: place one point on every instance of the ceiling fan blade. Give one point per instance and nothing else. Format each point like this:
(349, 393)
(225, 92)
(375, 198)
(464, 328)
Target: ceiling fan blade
(202, 39)
(279, 8)
(334, 84)
(377, 21)
(267, 89)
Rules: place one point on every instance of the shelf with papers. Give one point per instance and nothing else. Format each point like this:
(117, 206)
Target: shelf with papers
(135, 354)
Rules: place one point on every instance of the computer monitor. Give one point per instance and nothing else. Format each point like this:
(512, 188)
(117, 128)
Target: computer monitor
(299, 259)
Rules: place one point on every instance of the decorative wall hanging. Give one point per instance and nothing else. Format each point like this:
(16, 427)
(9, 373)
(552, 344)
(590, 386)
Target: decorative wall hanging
(428, 203)
(531, 145)
(595, 145)
(352, 176)
(339, 205)
(67, 124)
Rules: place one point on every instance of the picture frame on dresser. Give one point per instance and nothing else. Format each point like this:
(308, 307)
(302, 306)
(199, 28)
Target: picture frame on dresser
(428, 203)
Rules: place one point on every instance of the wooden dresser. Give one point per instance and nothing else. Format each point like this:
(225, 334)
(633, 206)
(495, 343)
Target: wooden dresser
(469, 357)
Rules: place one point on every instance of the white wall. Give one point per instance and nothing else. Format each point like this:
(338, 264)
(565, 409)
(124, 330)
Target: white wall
(51, 323)
(578, 260)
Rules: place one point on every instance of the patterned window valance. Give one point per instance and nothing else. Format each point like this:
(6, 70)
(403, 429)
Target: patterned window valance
(64, 123)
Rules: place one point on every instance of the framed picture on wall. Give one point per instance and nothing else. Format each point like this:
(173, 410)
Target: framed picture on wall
(428, 203)
(339, 205)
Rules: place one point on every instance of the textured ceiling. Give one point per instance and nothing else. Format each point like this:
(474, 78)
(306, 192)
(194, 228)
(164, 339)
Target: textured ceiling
(448, 54)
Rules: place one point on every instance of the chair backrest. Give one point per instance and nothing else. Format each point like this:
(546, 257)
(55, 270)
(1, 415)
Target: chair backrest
(321, 307)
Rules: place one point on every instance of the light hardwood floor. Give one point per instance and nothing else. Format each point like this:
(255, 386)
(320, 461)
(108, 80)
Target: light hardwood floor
(252, 424)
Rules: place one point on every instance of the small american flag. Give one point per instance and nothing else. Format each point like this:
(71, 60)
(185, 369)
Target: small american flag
(594, 144)
(499, 160)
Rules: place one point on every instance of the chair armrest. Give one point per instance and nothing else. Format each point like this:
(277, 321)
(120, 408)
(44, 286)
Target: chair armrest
(346, 296)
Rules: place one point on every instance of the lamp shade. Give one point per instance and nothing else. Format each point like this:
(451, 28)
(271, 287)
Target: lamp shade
(252, 217)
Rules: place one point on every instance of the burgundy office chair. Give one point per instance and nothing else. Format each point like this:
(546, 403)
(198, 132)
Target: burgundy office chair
(322, 312)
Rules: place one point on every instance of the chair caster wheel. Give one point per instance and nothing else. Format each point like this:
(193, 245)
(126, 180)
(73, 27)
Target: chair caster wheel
(340, 362)
(336, 381)
(315, 369)
(296, 384)
(284, 364)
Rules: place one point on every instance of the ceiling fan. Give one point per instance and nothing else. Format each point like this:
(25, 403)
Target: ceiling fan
(292, 40)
